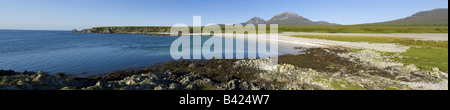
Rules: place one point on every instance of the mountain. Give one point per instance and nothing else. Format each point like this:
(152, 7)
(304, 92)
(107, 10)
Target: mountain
(325, 23)
(288, 18)
(432, 17)
(255, 20)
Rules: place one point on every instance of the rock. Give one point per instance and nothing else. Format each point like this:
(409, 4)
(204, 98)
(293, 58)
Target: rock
(158, 88)
(100, 84)
(204, 81)
(291, 87)
(93, 88)
(131, 30)
(187, 79)
(189, 87)
(107, 31)
(130, 82)
(67, 88)
(192, 65)
(327, 51)
(412, 67)
(86, 31)
(153, 75)
(227, 77)
(42, 81)
(238, 85)
(435, 69)
(173, 86)
(74, 31)
(232, 85)
(147, 82)
(403, 78)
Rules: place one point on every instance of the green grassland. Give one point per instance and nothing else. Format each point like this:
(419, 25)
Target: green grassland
(423, 54)
(364, 29)
(360, 29)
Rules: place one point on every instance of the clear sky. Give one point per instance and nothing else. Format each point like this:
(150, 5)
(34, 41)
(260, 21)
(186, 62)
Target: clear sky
(79, 14)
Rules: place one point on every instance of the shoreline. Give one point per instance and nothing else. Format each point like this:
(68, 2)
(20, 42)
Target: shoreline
(334, 69)
(286, 41)
(320, 67)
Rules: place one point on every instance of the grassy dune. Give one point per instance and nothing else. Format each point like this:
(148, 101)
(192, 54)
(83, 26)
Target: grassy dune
(423, 54)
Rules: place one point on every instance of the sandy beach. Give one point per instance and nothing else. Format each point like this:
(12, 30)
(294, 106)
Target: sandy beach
(287, 42)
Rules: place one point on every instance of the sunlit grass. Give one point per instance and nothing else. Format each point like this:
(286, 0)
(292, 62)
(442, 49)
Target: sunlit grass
(365, 29)
(427, 58)
(423, 54)
(369, 39)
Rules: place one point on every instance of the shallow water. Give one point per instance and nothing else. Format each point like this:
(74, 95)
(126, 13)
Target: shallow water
(63, 51)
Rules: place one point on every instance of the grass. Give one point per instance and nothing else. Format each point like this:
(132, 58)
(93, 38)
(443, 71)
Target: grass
(369, 39)
(337, 85)
(355, 50)
(357, 29)
(423, 54)
(360, 29)
(427, 58)
(365, 29)
(204, 87)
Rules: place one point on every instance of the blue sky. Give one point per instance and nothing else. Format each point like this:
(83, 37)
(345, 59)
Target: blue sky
(79, 14)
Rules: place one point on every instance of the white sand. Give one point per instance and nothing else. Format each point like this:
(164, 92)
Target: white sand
(287, 43)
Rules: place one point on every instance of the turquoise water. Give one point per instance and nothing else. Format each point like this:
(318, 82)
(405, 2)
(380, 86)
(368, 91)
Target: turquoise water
(63, 51)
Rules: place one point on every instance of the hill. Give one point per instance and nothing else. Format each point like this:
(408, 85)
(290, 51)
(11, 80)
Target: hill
(255, 20)
(288, 18)
(436, 17)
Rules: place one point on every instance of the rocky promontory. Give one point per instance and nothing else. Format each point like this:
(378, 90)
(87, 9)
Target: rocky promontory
(125, 30)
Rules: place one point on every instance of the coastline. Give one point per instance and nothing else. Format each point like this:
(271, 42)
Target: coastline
(314, 69)
(287, 42)
(320, 66)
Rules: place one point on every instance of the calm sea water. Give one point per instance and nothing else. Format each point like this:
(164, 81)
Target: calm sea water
(63, 51)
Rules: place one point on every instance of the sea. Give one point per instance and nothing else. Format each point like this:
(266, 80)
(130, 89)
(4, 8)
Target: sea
(82, 53)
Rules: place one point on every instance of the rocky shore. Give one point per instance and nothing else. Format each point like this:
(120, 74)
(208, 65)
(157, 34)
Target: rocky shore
(124, 30)
(312, 69)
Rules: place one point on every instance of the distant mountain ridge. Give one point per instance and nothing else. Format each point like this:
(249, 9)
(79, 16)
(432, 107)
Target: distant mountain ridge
(255, 20)
(436, 17)
(433, 17)
(287, 18)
